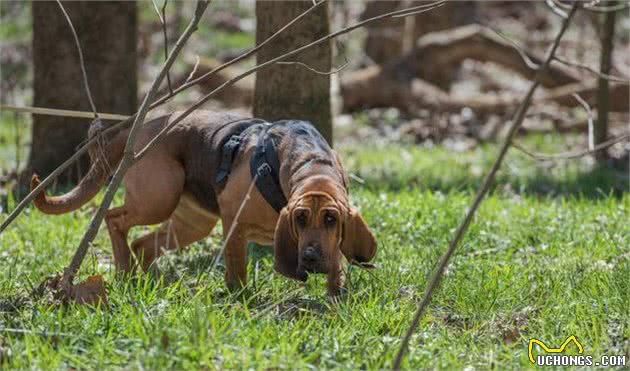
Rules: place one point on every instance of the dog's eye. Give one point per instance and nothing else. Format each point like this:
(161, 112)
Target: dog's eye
(329, 220)
(300, 219)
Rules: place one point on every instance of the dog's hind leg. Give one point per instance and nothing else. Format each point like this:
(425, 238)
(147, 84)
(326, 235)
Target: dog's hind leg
(177, 232)
(118, 230)
(153, 190)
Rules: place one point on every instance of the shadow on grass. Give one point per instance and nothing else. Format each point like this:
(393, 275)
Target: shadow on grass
(195, 263)
(597, 183)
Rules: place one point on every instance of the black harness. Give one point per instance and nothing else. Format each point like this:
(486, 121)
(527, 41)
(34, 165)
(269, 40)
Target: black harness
(264, 164)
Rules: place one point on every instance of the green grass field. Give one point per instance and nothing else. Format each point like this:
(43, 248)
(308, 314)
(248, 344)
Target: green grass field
(547, 257)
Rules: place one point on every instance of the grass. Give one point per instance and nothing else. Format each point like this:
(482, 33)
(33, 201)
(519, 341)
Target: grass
(547, 257)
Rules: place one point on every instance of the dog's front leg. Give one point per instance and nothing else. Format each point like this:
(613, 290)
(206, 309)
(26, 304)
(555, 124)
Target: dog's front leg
(335, 279)
(235, 256)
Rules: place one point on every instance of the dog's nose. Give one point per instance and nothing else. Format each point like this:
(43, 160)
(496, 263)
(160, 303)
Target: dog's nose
(310, 255)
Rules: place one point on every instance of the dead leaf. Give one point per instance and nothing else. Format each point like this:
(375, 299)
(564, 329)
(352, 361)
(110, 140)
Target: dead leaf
(510, 335)
(91, 291)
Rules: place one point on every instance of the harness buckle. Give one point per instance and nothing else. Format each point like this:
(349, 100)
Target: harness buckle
(264, 170)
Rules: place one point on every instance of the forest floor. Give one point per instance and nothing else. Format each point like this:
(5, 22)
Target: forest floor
(546, 257)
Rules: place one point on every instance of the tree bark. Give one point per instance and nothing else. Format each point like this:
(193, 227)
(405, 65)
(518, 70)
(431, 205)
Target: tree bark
(601, 126)
(292, 91)
(107, 34)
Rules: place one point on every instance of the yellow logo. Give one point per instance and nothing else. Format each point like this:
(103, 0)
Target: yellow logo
(571, 338)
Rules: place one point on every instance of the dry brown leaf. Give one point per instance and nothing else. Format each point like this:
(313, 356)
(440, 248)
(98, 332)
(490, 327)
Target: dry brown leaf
(91, 291)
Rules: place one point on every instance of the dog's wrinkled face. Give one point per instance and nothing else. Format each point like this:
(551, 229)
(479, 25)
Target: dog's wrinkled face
(316, 228)
(317, 225)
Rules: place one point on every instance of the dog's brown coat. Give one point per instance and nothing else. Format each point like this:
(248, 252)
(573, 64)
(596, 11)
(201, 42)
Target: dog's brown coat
(173, 185)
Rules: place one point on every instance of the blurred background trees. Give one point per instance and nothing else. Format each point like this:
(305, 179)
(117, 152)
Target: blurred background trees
(108, 35)
(452, 76)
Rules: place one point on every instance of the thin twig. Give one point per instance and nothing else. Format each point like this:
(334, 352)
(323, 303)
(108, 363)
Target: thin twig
(55, 173)
(608, 9)
(83, 149)
(119, 125)
(526, 59)
(205, 98)
(592, 7)
(589, 112)
(570, 155)
(534, 66)
(618, 79)
(234, 222)
(241, 57)
(162, 17)
(62, 112)
(332, 71)
(312, 69)
(128, 153)
(194, 70)
(556, 8)
(82, 62)
(465, 222)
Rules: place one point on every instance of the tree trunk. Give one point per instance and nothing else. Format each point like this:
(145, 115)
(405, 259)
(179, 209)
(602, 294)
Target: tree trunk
(293, 91)
(601, 127)
(107, 34)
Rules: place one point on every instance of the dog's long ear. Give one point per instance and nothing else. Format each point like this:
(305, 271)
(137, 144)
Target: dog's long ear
(358, 244)
(285, 248)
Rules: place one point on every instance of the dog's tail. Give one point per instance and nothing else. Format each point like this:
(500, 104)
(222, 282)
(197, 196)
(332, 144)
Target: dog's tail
(105, 158)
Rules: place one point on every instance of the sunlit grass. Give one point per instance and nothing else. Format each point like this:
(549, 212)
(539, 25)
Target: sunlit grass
(535, 263)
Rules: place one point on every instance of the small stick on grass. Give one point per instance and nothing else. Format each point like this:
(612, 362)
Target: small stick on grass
(481, 193)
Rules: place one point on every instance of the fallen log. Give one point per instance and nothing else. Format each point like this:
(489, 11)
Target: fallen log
(619, 98)
(385, 86)
(437, 53)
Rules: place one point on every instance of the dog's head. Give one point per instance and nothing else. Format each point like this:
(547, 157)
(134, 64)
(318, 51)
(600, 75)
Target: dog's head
(316, 228)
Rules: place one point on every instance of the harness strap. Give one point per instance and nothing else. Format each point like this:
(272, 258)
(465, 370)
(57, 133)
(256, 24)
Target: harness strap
(266, 166)
(230, 148)
(227, 157)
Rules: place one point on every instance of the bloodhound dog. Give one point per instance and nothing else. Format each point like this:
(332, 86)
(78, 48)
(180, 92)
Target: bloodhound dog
(192, 178)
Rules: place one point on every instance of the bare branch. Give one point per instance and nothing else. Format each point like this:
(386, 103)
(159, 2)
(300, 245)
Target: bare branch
(194, 70)
(592, 70)
(62, 112)
(82, 62)
(205, 98)
(312, 69)
(607, 9)
(528, 61)
(589, 112)
(571, 155)
(162, 17)
(465, 222)
(237, 59)
(556, 8)
(332, 71)
(533, 65)
(119, 125)
(83, 149)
